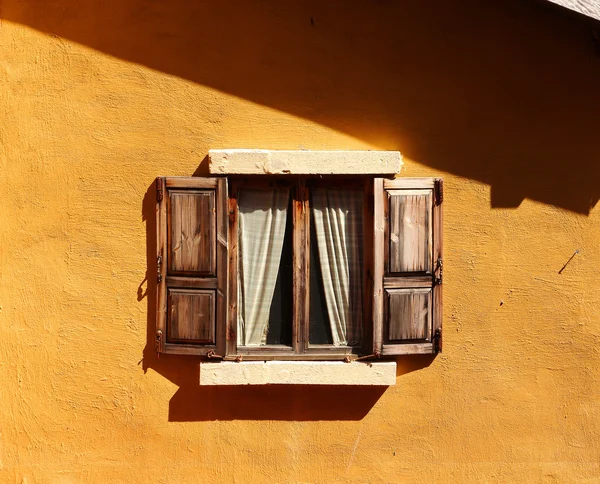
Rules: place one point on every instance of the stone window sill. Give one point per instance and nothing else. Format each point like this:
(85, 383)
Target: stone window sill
(298, 373)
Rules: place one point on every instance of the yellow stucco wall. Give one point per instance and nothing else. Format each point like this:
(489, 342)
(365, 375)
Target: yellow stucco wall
(99, 98)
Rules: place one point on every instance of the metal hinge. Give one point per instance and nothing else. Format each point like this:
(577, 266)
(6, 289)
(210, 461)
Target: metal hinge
(158, 342)
(439, 272)
(375, 354)
(436, 340)
(159, 190)
(212, 355)
(159, 261)
(439, 191)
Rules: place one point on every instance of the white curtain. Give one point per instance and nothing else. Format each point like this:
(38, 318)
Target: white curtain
(338, 216)
(262, 220)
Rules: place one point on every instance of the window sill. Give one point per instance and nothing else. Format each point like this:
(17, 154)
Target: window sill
(298, 373)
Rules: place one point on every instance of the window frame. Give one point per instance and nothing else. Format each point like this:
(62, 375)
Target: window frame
(178, 321)
(301, 348)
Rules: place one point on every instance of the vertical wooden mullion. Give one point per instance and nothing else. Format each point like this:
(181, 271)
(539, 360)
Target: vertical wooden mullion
(301, 275)
(232, 313)
(161, 257)
(379, 217)
(367, 265)
(306, 307)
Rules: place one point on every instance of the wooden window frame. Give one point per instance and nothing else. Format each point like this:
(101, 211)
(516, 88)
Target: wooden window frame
(218, 285)
(301, 349)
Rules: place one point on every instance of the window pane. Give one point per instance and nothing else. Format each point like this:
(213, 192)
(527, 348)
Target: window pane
(338, 226)
(264, 267)
(319, 326)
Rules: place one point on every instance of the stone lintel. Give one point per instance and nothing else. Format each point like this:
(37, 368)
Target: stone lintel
(282, 162)
(298, 373)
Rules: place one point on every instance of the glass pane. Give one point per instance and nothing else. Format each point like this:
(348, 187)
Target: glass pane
(336, 312)
(319, 326)
(264, 267)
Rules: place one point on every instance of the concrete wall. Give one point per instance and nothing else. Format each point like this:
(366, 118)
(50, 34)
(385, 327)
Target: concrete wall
(98, 98)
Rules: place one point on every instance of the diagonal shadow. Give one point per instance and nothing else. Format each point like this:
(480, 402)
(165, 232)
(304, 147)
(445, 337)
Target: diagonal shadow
(500, 92)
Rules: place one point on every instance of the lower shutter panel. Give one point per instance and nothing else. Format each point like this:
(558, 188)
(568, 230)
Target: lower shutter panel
(191, 317)
(407, 301)
(408, 314)
(192, 265)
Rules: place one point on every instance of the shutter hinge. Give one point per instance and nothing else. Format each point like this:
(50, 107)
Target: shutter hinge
(437, 338)
(212, 355)
(158, 343)
(159, 190)
(439, 191)
(159, 261)
(439, 276)
(375, 354)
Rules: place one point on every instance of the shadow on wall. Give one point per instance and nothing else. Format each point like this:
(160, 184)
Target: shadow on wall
(501, 92)
(192, 402)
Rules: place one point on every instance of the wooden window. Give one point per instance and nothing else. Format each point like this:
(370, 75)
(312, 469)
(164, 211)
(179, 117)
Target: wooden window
(192, 265)
(407, 305)
(299, 267)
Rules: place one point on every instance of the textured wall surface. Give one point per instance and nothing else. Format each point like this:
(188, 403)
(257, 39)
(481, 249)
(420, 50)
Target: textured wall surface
(99, 98)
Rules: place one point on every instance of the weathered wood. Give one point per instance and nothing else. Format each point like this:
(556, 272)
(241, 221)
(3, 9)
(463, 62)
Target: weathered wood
(368, 222)
(161, 255)
(192, 349)
(265, 355)
(413, 243)
(438, 255)
(192, 232)
(222, 269)
(265, 350)
(410, 233)
(407, 281)
(301, 271)
(408, 349)
(191, 182)
(191, 315)
(378, 262)
(232, 315)
(409, 314)
(408, 183)
(192, 282)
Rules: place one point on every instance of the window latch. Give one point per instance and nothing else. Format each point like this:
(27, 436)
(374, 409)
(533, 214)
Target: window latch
(436, 340)
(439, 272)
(158, 343)
(159, 190)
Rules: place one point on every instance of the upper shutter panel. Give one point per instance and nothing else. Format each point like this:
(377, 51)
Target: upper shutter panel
(409, 230)
(192, 232)
(407, 303)
(191, 265)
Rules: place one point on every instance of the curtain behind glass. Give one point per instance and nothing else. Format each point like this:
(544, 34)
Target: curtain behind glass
(262, 220)
(338, 217)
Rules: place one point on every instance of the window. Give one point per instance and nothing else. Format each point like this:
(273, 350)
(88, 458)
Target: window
(299, 267)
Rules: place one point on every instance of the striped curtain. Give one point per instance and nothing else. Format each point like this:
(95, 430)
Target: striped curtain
(262, 220)
(338, 217)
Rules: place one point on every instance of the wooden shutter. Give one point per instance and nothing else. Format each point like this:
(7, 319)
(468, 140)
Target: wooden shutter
(191, 257)
(407, 277)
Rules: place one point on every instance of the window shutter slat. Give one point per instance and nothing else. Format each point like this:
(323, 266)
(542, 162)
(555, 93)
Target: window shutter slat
(192, 265)
(407, 297)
